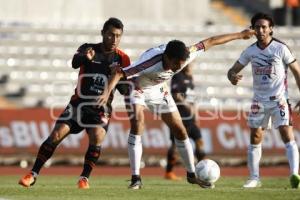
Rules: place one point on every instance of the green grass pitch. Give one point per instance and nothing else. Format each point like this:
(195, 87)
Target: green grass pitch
(115, 188)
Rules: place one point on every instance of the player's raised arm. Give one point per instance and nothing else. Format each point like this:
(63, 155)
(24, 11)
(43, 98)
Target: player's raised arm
(232, 73)
(222, 39)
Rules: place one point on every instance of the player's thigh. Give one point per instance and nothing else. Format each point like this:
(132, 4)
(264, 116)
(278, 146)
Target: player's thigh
(59, 132)
(70, 117)
(159, 100)
(281, 114)
(161, 104)
(172, 119)
(259, 115)
(192, 129)
(174, 122)
(96, 123)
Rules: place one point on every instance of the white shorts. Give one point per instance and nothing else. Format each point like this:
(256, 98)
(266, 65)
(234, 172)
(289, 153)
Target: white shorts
(278, 113)
(157, 98)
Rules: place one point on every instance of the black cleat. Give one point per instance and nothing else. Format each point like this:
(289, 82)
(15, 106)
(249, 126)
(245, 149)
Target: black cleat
(136, 182)
(192, 179)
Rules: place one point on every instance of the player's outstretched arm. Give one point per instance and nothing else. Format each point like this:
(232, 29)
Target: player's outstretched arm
(233, 75)
(222, 39)
(295, 68)
(112, 82)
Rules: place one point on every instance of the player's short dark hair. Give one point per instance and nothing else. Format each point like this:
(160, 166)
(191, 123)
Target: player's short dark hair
(259, 16)
(115, 22)
(177, 49)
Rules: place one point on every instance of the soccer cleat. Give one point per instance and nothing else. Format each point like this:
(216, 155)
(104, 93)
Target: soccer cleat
(28, 180)
(83, 183)
(192, 179)
(136, 182)
(295, 180)
(252, 183)
(172, 176)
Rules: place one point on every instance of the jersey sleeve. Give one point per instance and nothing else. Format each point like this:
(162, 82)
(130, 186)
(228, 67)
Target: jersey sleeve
(79, 57)
(122, 86)
(195, 50)
(133, 70)
(244, 58)
(287, 57)
(125, 60)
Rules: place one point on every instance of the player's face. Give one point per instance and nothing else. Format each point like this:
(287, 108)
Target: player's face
(174, 64)
(111, 38)
(263, 30)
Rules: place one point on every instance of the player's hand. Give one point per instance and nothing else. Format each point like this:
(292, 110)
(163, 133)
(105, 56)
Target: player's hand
(102, 99)
(297, 108)
(115, 67)
(235, 78)
(90, 53)
(247, 34)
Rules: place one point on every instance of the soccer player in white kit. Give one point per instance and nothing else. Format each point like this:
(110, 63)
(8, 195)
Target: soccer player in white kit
(149, 76)
(270, 60)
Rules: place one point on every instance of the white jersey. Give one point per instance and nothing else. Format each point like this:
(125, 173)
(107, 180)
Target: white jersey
(148, 70)
(269, 69)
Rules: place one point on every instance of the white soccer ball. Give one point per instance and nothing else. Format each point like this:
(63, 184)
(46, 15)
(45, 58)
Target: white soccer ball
(208, 171)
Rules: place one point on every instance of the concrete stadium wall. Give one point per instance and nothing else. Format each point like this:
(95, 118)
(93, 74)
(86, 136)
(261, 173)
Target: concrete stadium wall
(90, 11)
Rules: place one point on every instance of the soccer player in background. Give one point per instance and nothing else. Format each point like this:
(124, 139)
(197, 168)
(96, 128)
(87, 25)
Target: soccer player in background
(94, 61)
(149, 75)
(270, 59)
(182, 90)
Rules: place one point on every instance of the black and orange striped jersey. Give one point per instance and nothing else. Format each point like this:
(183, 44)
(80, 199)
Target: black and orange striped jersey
(94, 74)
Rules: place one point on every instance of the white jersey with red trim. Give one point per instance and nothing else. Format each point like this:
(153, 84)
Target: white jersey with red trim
(149, 71)
(269, 69)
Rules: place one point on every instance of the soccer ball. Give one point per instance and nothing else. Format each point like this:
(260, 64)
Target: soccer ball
(208, 171)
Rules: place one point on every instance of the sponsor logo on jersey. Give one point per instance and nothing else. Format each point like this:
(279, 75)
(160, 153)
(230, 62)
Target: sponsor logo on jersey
(265, 70)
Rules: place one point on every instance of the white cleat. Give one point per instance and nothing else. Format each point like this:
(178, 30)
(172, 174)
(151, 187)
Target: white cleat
(252, 183)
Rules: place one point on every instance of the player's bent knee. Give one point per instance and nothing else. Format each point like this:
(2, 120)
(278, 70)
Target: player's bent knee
(180, 135)
(96, 135)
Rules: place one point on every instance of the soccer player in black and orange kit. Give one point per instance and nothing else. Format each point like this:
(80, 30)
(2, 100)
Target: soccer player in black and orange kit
(95, 62)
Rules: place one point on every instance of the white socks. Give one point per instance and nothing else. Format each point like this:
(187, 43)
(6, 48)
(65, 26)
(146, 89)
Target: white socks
(254, 155)
(186, 152)
(292, 154)
(135, 151)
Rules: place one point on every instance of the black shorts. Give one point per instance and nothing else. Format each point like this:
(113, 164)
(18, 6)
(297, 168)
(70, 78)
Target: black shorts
(85, 117)
(192, 129)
